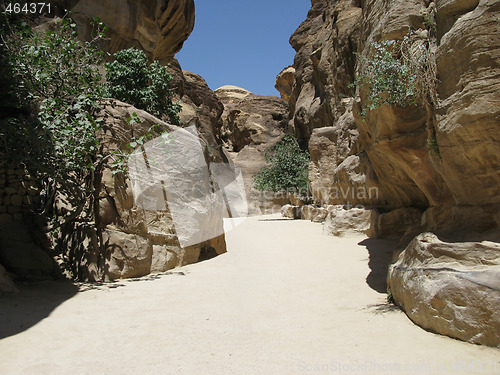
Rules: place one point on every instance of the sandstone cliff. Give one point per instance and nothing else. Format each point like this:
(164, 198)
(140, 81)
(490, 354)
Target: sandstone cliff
(126, 240)
(159, 27)
(433, 166)
(250, 125)
(389, 149)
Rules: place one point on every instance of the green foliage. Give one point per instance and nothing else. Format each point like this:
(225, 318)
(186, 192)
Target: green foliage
(430, 23)
(129, 78)
(56, 79)
(389, 81)
(398, 73)
(120, 157)
(390, 297)
(432, 143)
(286, 169)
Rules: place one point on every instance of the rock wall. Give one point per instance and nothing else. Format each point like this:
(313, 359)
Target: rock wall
(159, 27)
(388, 150)
(250, 125)
(432, 167)
(125, 240)
(23, 247)
(133, 237)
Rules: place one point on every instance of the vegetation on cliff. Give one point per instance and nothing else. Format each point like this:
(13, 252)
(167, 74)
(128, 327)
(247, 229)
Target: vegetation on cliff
(132, 80)
(53, 125)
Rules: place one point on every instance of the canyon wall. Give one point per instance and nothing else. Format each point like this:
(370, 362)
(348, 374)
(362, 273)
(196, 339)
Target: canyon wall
(250, 125)
(127, 240)
(456, 183)
(158, 27)
(429, 167)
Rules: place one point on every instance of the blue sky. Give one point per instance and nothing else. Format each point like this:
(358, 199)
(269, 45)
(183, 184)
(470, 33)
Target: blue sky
(242, 43)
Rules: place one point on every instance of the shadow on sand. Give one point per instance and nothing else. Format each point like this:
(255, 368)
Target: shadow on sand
(380, 257)
(34, 302)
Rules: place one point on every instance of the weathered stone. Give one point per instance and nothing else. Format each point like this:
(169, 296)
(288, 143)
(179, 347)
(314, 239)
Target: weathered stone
(199, 224)
(157, 27)
(396, 223)
(291, 212)
(130, 254)
(298, 200)
(250, 125)
(285, 81)
(450, 288)
(251, 119)
(164, 258)
(341, 221)
(313, 213)
(6, 283)
(388, 150)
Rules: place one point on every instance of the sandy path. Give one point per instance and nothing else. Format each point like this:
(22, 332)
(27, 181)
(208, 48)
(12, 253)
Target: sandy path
(284, 300)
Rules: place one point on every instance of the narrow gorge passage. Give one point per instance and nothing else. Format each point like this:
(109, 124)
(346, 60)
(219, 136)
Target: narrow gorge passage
(285, 299)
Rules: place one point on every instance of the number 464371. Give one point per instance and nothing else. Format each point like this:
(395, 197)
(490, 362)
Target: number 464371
(26, 8)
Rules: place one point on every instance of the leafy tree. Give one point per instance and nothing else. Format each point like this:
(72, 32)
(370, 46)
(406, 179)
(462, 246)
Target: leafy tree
(287, 168)
(51, 126)
(57, 87)
(129, 78)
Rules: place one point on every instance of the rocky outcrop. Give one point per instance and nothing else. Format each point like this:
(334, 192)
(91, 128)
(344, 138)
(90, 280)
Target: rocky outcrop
(251, 120)
(284, 82)
(250, 125)
(450, 288)
(344, 220)
(159, 27)
(166, 212)
(433, 166)
(387, 152)
(290, 211)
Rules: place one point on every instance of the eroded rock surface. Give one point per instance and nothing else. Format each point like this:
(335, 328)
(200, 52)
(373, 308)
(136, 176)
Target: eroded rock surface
(450, 288)
(389, 149)
(159, 27)
(148, 225)
(284, 82)
(250, 125)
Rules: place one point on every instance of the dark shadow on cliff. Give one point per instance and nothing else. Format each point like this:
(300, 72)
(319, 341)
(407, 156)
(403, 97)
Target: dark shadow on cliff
(380, 257)
(34, 302)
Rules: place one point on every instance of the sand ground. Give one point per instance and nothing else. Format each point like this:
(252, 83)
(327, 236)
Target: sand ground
(284, 300)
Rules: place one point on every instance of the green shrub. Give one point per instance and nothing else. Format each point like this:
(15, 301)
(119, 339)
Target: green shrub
(287, 168)
(129, 78)
(398, 73)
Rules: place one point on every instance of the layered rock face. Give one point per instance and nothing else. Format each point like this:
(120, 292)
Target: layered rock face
(250, 125)
(388, 150)
(126, 239)
(450, 288)
(429, 167)
(159, 27)
(165, 213)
